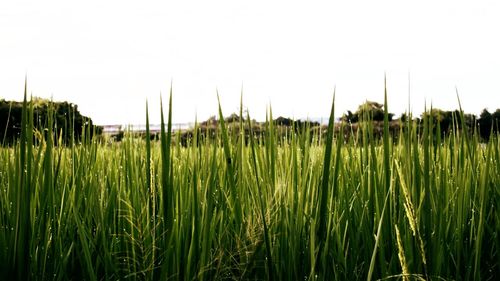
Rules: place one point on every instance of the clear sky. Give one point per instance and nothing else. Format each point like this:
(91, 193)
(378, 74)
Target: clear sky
(110, 56)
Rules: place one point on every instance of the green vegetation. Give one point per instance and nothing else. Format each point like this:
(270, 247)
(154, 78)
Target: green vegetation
(312, 207)
(443, 123)
(66, 120)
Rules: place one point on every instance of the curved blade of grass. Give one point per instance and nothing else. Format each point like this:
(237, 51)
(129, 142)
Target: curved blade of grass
(261, 201)
(325, 176)
(387, 183)
(387, 165)
(322, 214)
(377, 237)
(166, 178)
(23, 220)
(230, 168)
(148, 151)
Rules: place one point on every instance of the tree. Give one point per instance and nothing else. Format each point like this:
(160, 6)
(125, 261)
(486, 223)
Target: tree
(404, 117)
(485, 123)
(372, 110)
(67, 120)
(495, 119)
(349, 117)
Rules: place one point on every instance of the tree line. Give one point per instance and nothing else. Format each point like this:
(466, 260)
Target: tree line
(486, 124)
(68, 123)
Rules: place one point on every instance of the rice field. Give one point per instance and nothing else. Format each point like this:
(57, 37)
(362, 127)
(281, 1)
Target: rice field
(312, 207)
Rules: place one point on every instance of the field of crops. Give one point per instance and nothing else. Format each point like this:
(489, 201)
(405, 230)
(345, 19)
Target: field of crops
(309, 207)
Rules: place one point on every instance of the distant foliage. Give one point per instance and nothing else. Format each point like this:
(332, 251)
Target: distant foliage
(368, 110)
(442, 121)
(68, 122)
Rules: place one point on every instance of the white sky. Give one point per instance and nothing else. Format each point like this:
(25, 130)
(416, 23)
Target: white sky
(110, 56)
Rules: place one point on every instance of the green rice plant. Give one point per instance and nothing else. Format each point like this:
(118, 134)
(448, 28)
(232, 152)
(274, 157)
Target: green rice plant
(269, 259)
(289, 204)
(21, 237)
(235, 199)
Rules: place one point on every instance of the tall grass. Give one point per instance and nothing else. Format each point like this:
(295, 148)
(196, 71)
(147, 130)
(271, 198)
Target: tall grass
(225, 208)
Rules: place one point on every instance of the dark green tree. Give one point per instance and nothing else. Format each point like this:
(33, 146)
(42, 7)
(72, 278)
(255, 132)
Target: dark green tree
(495, 119)
(68, 121)
(485, 124)
(349, 117)
(372, 110)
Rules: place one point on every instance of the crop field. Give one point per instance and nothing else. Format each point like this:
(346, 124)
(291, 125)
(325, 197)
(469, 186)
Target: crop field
(310, 206)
